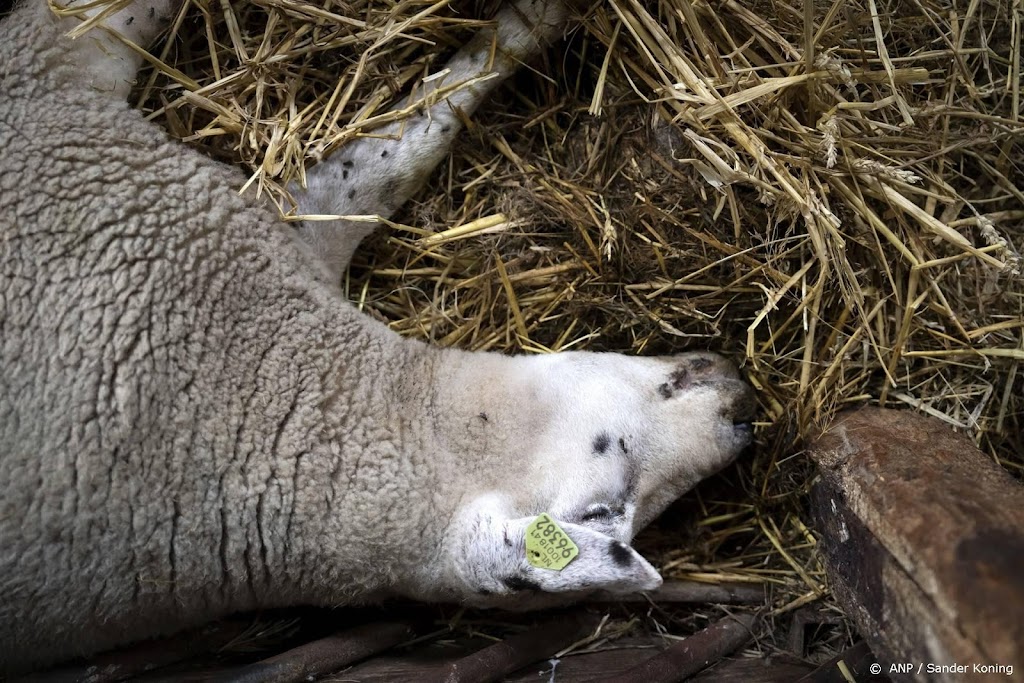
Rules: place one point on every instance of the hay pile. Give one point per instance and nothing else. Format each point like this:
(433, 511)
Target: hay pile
(831, 192)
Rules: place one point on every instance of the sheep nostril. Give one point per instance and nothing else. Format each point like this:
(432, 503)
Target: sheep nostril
(743, 426)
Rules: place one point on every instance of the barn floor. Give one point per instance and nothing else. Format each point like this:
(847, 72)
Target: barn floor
(650, 640)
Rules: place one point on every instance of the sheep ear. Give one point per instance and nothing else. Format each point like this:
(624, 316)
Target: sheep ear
(497, 559)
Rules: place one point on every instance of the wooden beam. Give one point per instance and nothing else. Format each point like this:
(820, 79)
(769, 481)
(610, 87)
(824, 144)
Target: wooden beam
(678, 592)
(496, 661)
(326, 655)
(923, 538)
(686, 657)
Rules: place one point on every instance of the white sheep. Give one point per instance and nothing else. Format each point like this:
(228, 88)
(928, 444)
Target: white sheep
(193, 422)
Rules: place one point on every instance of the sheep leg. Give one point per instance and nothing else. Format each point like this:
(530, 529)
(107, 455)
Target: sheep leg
(376, 175)
(102, 57)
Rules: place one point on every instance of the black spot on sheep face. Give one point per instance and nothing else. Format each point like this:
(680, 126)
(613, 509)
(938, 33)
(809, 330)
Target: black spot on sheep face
(519, 583)
(620, 554)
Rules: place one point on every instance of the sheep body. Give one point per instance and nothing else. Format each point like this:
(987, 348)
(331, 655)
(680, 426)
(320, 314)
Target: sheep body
(160, 333)
(193, 422)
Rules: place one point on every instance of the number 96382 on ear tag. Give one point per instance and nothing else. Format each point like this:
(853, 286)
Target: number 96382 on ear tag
(547, 546)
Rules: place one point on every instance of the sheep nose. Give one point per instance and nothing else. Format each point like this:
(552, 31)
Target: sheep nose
(743, 409)
(701, 366)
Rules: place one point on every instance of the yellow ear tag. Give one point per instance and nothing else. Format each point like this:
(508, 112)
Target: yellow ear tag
(547, 546)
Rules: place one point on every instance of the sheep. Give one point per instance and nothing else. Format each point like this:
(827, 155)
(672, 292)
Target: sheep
(194, 422)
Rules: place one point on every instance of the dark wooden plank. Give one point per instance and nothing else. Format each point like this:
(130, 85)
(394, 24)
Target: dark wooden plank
(587, 667)
(675, 591)
(410, 664)
(923, 537)
(690, 655)
(779, 669)
(496, 661)
(134, 661)
(614, 659)
(323, 656)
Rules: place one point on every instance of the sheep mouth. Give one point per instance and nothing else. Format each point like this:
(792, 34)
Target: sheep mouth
(741, 414)
(743, 429)
(742, 418)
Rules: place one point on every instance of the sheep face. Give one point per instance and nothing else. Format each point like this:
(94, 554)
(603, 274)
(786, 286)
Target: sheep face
(629, 436)
(612, 441)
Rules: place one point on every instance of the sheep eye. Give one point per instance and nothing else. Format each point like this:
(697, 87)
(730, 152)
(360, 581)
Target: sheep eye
(599, 511)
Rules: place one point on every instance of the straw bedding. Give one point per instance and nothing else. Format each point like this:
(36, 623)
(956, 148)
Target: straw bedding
(830, 192)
